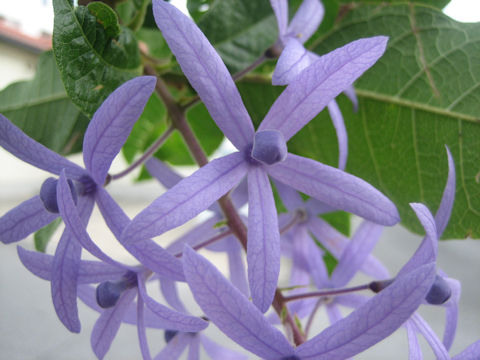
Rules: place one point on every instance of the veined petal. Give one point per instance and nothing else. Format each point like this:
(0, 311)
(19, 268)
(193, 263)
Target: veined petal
(451, 313)
(293, 60)
(414, 350)
(206, 72)
(373, 321)
(355, 253)
(306, 20)
(317, 207)
(188, 198)
(313, 256)
(173, 320)
(336, 188)
(194, 351)
(339, 124)
(40, 264)
(445, 209)
(236, 266)
(349, 91)
(280, 9)
(230, 310)
(289, 196)
(111, 124)
(470, 353)
(439, 350)
(217, 352)
(16, 142)
(109, 322)
(170, 293)
(175, 347)
(141, 330)
(263, 248)
(112, 213)
(320, 83)
(24, 219)
(163, 173)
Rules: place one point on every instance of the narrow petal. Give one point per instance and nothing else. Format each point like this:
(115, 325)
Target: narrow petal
(141, 330)
(342, 138)
(333, 313)
(236, 267)
(280, 9)
(163, 173)
(293, 60)
(16, 142)
(170, 293)
(24, 219)
(113, 214)
(320, 83)
(108, 324)
(439, 350)
(445, 209)
(217, 352)
(230, 311)
(194, 351)
(352, 95)
(188, 198)
(289, 196)
(313, 257)
(89, 271)
(427, 251)
(414, 350)
(263, 249)
(175, 347)
(306, 20)
(206, 72)
(451, 313)
(317, 207)
(470, 353)
(336, 188)
(373, 321)
(354, 255)
(173, 320)
(111, 124)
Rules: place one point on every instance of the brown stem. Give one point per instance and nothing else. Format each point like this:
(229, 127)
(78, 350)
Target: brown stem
(332, 292)
(209, 241)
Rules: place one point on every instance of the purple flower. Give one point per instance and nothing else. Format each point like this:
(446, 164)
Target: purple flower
(261, 153)
(105, 135)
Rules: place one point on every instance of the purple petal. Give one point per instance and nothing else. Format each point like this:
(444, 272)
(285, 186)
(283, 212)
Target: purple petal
(445, 209)
(336, 188)
(206, 72)
(354, 255)
(170, 293)
(470, 353)
(414, 350)
(352, 95)
(306, 20)
(313, 257)
(175, 347)
(163, 173)
(427, 251)
(16, 142)
(236, 266)
(373, 321)
(293, 60)
(230, 311)
(439, 350)
(172, 319)
(217, 352)
(320, 83)
(188, 198)
(451, 313)
(263, 248)
(142, 335)
(317, 207)
(89, 271)
(113, 214)
(280, 9)
(333, 313)
(339, 124)
(111, 124)
(24, 219)
(108, 324)
(289, 196)
(194, 351)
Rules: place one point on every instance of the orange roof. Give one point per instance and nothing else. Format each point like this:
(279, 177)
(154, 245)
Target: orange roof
(15, 36)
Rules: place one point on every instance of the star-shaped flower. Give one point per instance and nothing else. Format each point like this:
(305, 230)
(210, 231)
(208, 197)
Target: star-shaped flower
(261, 153)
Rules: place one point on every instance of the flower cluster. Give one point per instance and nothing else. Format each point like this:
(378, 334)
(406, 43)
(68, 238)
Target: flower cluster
(237, 306)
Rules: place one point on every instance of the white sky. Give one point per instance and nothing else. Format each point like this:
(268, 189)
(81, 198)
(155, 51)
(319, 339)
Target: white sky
(38, 16)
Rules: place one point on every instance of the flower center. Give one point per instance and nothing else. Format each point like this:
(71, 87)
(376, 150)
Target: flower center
(108, 292)
(440, 292)
(48, 194)
(269, 147)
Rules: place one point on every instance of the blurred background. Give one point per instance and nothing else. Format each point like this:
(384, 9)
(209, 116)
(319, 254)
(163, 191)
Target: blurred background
(29, 328)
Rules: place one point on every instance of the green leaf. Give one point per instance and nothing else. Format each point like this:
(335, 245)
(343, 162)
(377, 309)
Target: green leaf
(240, 30)
(157, 46)
(197, 8)
(92, 63)
(340, 220)
(106, 17)
(43, 236)
(421, 95)
(439, 4)
(133, 12)
(43, 110)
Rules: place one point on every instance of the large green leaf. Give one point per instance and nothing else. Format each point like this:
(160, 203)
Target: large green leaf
(422, 94)
(439, 4)
(92, 63)
(43, 110)
(240, 30)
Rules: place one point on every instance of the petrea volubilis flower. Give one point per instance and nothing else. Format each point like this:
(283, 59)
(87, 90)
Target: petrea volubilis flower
(261, 153)
(105, 136)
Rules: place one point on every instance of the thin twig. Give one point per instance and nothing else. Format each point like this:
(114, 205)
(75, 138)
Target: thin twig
(332, 292)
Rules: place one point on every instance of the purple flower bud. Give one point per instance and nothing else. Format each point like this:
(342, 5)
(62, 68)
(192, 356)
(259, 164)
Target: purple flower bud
(269, 147)
(169, 335)
(108, 292)
(440, 292)
(377, 286)
(48, 194)
(293, 357)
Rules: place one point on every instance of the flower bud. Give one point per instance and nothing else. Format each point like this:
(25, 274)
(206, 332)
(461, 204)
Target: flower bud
(440, 292)
(269, 147)
(48, 194)
(169, 335)
(108, 292)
